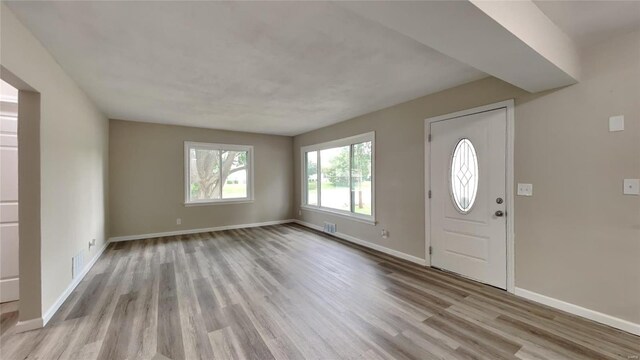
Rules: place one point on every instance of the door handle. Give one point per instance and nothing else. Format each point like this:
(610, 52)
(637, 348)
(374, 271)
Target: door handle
(499, 213)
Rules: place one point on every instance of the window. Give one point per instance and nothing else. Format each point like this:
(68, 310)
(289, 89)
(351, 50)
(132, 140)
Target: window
(338, 177)
(464, 175)
(217, 173)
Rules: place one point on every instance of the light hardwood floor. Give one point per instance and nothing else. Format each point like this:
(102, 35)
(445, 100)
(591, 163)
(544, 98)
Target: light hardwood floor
(286, 292)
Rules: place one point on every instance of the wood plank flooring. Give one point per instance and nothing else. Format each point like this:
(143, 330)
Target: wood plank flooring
(286, 292)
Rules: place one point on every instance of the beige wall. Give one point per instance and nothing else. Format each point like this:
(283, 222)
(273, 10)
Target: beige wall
(147, 179)
(399, 150)
(73, 167)
(29, 239)
(578, 238)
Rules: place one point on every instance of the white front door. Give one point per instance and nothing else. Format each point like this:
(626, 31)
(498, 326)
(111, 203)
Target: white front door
(468, 189)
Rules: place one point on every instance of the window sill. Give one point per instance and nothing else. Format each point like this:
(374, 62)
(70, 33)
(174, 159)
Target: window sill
(343, 214)
(221, 202)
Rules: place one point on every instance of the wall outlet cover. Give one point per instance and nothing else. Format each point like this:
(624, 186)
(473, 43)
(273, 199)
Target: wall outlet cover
(616, 123)
(525, 189)
(631, 187)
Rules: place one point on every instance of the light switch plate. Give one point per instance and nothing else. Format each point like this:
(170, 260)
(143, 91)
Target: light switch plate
(616, 123)
(631, 187)
(525, 189)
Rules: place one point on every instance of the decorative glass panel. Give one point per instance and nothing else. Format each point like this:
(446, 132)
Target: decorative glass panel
(464, 175)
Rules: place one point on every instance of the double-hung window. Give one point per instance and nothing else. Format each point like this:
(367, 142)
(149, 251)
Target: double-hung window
(338, 177)
(217, 173)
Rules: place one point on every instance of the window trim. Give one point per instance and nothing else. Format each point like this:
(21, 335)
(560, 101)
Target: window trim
(348, 141)
(221, 147)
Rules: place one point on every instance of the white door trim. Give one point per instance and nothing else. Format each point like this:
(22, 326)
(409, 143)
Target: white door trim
(509, 106)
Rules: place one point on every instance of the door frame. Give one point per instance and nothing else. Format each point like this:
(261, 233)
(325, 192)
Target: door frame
(509, 106)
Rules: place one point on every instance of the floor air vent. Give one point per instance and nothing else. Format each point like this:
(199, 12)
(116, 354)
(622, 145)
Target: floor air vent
(77, 264)
(329, 228)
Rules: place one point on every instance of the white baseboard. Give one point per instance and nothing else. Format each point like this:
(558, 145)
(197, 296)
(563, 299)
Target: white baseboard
(9, 290)
(615, 322)
(8, 307)
(32, 324)
(56, 305)
(40, 322)
(367, 244)
(196, 231)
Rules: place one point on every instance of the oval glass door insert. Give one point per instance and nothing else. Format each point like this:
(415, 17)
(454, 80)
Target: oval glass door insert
(464, 175)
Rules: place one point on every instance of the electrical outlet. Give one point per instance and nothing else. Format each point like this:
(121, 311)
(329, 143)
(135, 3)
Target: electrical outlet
(92, 243)
(178, 221)
(299, 212)
(525, 189)
(384, 233)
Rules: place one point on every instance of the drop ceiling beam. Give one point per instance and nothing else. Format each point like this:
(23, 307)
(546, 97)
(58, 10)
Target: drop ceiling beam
(513, 41)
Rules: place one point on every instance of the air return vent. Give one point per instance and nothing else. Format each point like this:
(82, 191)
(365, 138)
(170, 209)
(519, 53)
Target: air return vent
(329, 228)
(77, 264)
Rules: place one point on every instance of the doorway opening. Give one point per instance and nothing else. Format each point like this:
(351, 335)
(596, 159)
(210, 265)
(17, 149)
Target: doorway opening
(9, 270)
(20, 200)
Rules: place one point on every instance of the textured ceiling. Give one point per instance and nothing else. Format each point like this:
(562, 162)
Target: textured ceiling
(270, 67)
